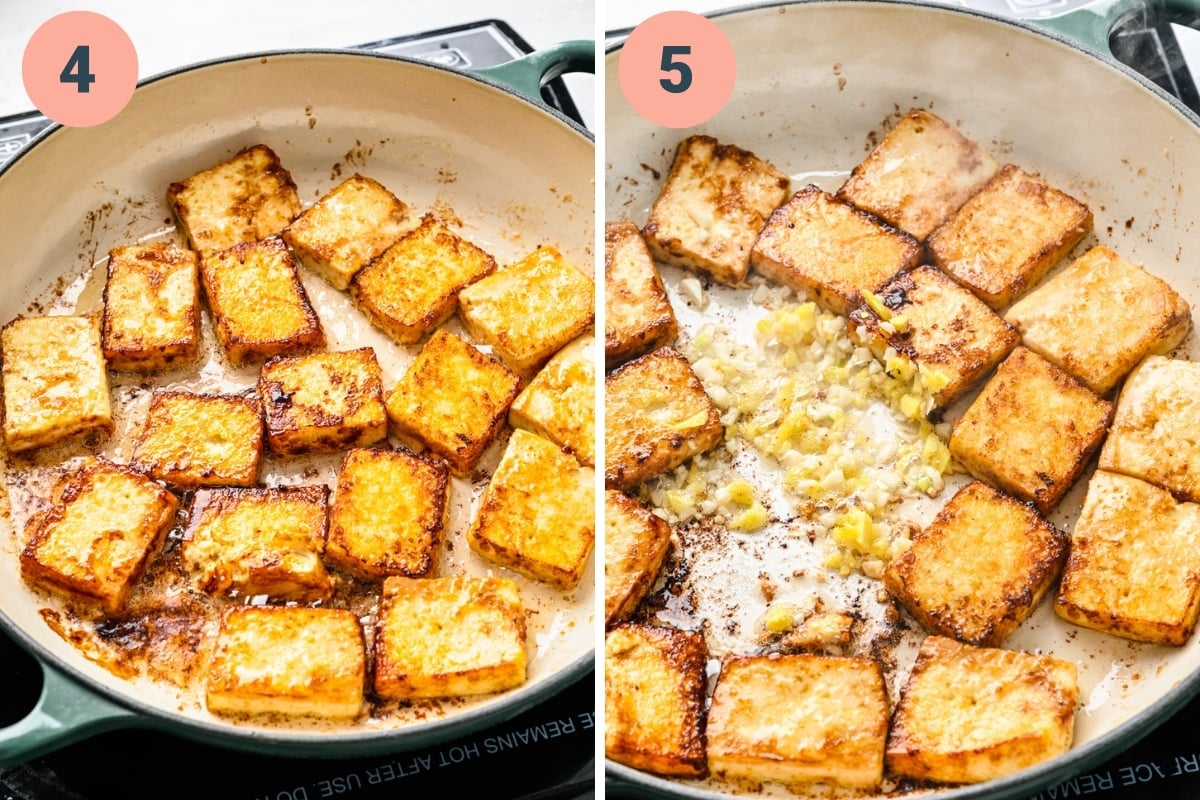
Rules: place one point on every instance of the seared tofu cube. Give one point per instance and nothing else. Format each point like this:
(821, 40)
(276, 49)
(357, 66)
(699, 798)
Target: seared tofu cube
(638, 316)
(1134, 568)
(389, 510)
(711, 208)
(922, 171)
(55, 381)
(1154, 429)
(414, 285)
(529, 310)
(1099, 317)
(538, 513)
(452, 401)
(827, 248)
(248, 542)
(151, 307)
(259, 306)
(1009, 235)
(448, 637)
(797, 719)
(636, 542)
(654, 697)
(323, 402)
(980, 568)
(104, 525)
(192, 440)
(970, 714)
(347, 229)
(560, 402)
(1031, 430)
(933, 325)
(246, 198)
(293, 661)
(657, 416)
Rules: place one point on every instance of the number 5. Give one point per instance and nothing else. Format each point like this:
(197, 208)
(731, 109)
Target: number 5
(669, 64)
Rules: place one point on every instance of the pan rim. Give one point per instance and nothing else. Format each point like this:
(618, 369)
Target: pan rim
(336, 52)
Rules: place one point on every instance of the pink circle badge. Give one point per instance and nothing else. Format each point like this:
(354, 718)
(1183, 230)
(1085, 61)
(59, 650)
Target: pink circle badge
(677, 69)
(79, 68)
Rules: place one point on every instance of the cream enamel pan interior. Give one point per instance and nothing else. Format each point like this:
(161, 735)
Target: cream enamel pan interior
(815, 80)
(515, 174)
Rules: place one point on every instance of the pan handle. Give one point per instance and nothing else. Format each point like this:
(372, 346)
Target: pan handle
(1091, 24)
(528, 73)
(66, 712)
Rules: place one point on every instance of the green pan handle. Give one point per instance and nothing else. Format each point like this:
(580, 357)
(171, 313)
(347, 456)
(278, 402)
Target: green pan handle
(529, 73)
(66, 712)
(1091, 24)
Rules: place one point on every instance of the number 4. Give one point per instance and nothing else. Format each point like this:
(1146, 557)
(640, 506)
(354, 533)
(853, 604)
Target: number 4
(77, 70)
(669, 64)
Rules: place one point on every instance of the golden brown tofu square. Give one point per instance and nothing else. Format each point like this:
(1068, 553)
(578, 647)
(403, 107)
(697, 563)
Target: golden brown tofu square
(243, 199)
(636, 542)
(980, 568)
(1154, 429)
(322, 402)
(830, 250)
(1099, 317)
(414, 285)
(448, 637)
(104, 525)
(711, 207)
(537, 514)
(928, 321)
(657, 415)
(389, 510)
(1009, 235)
(452, 401)
(259, 306)
(971, 714)
(1134, 568)
(192, 440)
(922, 171)
(1031, 430)
(292, 661)
(654, 696)
(347, 229)
(797, 719)
(560, 402)
(638, 316)
(250, 542)
(151, 307)
(55, 381)
(529, 310)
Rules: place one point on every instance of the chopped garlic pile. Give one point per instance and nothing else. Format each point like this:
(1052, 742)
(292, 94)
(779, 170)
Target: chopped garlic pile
(849, 434)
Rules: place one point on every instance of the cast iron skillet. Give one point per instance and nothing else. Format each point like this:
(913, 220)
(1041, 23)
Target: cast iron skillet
(814, 79)
(516, 174)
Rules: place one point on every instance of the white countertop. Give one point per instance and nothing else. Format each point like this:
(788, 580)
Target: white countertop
(204, 29)
(622, 14)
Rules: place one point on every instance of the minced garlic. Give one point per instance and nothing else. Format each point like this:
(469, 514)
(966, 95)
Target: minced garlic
(809, 400)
